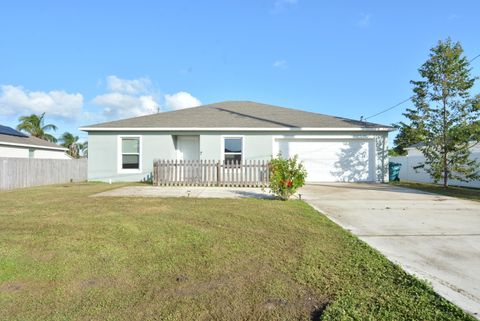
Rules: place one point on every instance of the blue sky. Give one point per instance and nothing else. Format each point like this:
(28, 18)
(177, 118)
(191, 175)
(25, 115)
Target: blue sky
(84, 62)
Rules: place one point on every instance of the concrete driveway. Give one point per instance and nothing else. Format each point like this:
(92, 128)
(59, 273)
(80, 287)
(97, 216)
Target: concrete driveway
(435, 237)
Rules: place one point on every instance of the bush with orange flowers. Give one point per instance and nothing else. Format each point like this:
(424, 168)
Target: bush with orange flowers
(287, 175)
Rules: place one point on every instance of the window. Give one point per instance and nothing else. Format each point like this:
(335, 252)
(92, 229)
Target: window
(233, 150)
(130, 153)
(31, 153)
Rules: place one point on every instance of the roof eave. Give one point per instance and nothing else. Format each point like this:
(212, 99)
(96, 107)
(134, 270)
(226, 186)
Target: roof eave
(36, 146)
(150, 129)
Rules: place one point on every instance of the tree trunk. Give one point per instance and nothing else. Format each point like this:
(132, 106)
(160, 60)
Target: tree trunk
(445, 161)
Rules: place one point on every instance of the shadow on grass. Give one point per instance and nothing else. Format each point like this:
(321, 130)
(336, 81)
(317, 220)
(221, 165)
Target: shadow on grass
(317, 313)
(467, 193)
(248, 194)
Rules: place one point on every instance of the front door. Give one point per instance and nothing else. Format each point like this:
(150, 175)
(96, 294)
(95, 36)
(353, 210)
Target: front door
(188, 148)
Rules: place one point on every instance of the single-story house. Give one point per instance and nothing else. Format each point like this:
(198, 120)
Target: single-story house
(414, 150)
(16, 144)
(332, 148)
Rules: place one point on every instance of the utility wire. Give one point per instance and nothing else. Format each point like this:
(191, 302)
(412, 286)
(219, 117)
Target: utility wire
(403, 101)
(474, 58)
(389, 108)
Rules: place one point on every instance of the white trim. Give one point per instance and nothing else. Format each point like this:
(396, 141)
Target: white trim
(36, 146)
(275, 129)
(344, 136)
(316, 137)
(121, 170)
(276, 138)
(222, 146)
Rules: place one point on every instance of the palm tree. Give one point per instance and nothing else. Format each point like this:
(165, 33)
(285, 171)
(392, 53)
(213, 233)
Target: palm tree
(70, 141)
(34, 125)
(83, 148)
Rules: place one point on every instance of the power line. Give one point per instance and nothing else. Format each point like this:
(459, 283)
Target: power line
(403, 101)
(474, 58)
(389, 108)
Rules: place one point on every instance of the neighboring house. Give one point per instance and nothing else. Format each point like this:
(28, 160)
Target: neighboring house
(16, 144)
(332, 148)
(412, 169)
(414, 150)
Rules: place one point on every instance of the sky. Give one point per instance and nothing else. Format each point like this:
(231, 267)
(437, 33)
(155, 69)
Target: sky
(85, 62)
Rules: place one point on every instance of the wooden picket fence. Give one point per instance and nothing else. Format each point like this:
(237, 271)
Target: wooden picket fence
(210, 173)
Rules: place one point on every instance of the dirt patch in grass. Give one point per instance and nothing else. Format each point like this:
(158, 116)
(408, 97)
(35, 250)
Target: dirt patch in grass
(67, 256)
(12, 286)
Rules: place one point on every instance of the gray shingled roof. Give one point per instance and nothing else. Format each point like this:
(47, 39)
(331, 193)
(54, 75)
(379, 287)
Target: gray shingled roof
(28, 140)
(237, 114)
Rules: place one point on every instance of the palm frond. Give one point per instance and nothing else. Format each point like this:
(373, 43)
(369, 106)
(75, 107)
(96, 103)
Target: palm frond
(49, 138)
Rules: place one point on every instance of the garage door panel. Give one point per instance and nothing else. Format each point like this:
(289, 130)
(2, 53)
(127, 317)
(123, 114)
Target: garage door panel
(332, 160)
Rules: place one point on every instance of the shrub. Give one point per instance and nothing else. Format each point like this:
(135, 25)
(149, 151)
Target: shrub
(286, 176)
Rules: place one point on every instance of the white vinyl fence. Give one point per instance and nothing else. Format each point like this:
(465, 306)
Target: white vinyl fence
(27, 172)
(409, 172)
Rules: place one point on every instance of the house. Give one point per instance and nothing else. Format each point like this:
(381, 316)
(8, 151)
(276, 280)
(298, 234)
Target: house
(332, 148)
(414, 150)
(16, 144)
(412, 166)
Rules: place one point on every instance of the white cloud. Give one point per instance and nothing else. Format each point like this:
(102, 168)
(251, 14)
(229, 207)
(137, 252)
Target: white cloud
(16, 100)
(137, 97)
(365, 19)
(280, 64)
(123, 105)
(282, 5)
(127, 98)
(131, 87)
(453, 16)
(181, 100)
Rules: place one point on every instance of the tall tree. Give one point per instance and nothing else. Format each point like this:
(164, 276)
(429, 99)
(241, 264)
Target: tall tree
(409, 134)
(446, 117)
(35, 126)
(70, 141)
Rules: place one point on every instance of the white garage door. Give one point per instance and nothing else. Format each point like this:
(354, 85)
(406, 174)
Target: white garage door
(332, 160)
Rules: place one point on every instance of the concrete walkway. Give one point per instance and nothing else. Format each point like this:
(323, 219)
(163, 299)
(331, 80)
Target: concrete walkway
(184, 191)
(435, 237)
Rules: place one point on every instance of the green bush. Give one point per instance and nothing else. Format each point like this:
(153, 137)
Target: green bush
(286, 176)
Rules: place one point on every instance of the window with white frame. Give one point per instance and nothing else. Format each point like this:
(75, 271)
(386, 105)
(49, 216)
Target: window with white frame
(233, 149)
(130, 153)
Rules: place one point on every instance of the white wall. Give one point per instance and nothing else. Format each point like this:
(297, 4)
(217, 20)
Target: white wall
(23, 152)
(408, 173)
(50, 154)
(11, 151)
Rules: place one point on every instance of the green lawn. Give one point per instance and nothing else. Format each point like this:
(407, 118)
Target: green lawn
(67, 256)
(454, 191)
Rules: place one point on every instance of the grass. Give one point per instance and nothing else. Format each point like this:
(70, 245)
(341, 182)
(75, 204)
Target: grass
(67, 256)
(472, 194)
